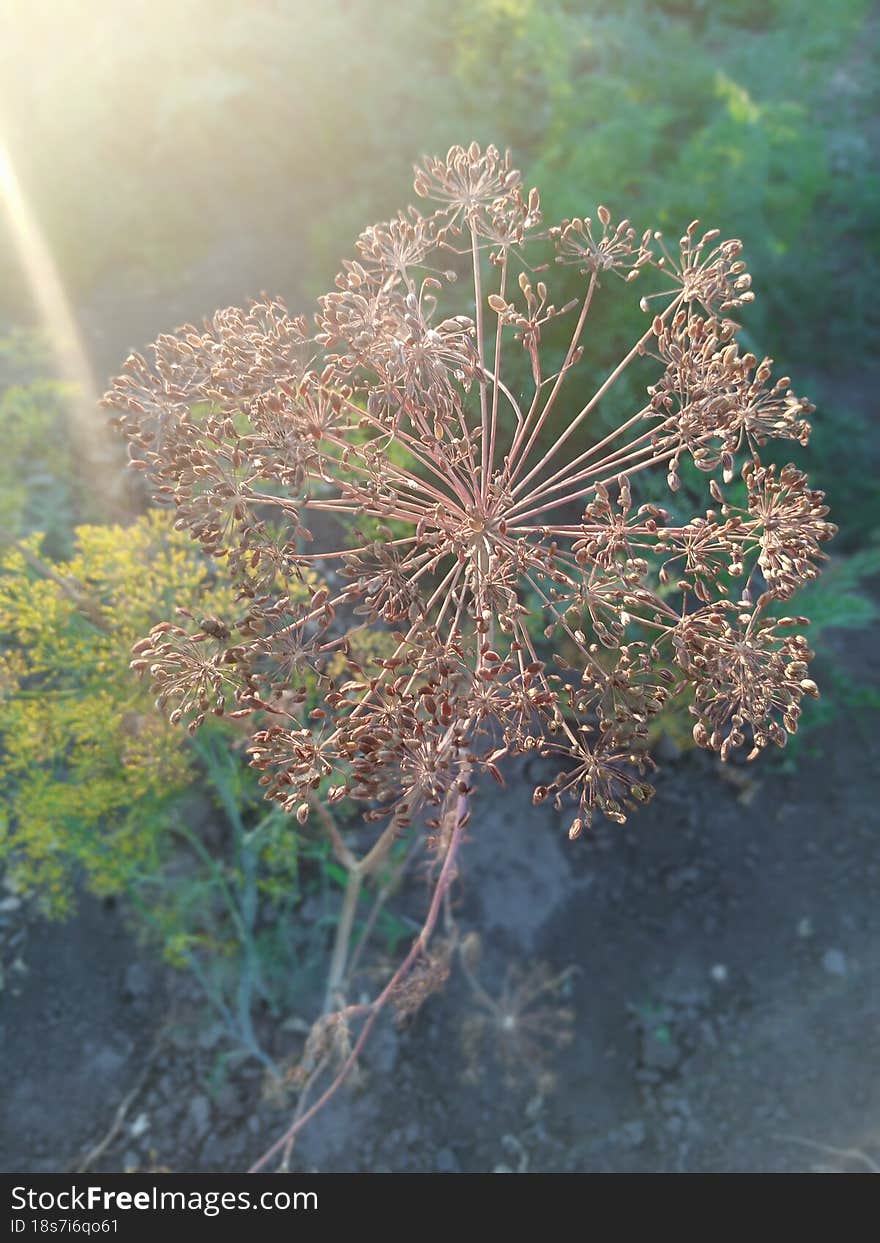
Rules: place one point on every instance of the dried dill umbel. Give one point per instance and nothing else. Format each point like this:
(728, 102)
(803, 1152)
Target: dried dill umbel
(416, 455)
(520, 1029)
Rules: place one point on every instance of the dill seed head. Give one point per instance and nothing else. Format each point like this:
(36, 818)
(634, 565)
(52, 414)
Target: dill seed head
(393, 467)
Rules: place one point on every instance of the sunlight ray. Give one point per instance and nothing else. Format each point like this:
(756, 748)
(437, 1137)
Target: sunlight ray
(58, 323)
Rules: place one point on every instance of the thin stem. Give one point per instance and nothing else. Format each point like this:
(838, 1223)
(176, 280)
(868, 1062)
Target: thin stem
(376, 1007)
(595, 399)
(343, 854)
(563, 479)
(388, 889)
(514, 404)
(342, 940)
(548, 405)
(481, 358)
(607, 468)
(575, 496)
(440, 471)
(352, 552)
(496, 381)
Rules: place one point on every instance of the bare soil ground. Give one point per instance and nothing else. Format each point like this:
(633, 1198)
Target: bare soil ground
(727, 1001)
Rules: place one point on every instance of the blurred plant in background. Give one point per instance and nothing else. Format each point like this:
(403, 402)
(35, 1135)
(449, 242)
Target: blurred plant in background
(758, 114)
(101, 793)
(80, 750)
(675, 107)
(39, 486)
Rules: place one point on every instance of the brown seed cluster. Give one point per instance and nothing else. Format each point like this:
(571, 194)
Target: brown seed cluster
(398, 453)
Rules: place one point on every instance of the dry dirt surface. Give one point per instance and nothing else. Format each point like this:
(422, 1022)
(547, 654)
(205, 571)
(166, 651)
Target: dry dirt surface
(726, 998)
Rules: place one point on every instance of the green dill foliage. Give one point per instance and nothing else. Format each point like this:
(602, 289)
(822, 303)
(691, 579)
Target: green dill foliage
(757, 114)
(39, 489)
(844, 599)
(841, 599)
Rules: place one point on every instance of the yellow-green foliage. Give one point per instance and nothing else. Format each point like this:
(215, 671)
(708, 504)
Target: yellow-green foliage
(86, 764)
